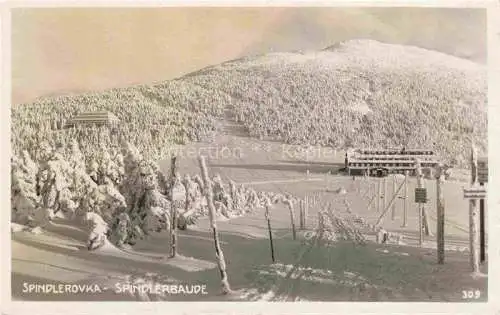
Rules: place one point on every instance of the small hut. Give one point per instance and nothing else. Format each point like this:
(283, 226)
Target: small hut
(93, 118)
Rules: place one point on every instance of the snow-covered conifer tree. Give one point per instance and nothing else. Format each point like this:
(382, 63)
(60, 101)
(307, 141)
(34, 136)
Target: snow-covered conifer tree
(24, 198)
(98, 230)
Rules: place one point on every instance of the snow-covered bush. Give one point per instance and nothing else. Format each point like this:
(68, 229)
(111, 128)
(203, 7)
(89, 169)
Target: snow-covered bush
(98, 230)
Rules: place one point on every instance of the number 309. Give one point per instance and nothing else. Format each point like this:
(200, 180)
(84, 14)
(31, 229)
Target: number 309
(469, 294)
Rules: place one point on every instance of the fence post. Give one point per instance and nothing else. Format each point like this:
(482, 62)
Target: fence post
(321, 232)
(211, 214)
(385, 193)
(289, 202)
(173, 169)
(393, 214)
(425, 217)
(473, 216)
(370, 187)
(306, 209)
(173, 232)
(405, 201)
(321, 221)
(440, 213)
(482, 228)
(387, 208)
(379, 194)
(346, 161)
(420, 184)
(370, 195)
(268, 219)
(302, 215)
(174, 207)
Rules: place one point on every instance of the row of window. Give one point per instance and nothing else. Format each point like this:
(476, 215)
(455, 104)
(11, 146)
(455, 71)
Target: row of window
(382, 158)
(396, 152)
(374, 165)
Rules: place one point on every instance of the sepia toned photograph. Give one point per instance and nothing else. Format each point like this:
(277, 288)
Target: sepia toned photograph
(249, 154)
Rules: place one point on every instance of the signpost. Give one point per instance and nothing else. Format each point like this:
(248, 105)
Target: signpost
(420, 199)
(475, 192)
(482, 170)
(420, 195)
(422, 216)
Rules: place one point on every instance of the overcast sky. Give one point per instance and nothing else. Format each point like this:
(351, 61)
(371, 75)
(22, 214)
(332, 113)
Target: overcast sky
(80, 49)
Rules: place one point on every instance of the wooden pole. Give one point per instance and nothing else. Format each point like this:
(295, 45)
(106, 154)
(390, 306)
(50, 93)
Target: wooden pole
(321, 227)
(420, 184)
(473, 216)
(440, 213)
(321, 221)
(393, 213)
(388, 207)
(301, 214)
(425, 217)
(346, 161)
(211, 214)
(374, 197)
(268, 219)
(368, 180)
(306, 210)
(379, 193)
(173, 210)
(405, 201)
(482, 232)
(292, 217)
(326, 181)
(370, 188)
(385, 193)
(173, 232)
(173, 169)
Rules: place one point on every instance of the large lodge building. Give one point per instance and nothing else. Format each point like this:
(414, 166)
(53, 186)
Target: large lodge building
(93, 118)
